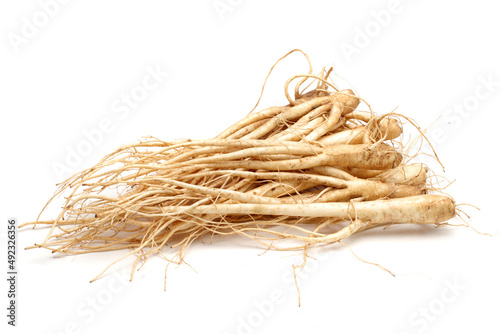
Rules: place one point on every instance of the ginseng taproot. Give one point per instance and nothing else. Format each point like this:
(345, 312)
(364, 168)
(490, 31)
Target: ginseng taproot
(290, 172)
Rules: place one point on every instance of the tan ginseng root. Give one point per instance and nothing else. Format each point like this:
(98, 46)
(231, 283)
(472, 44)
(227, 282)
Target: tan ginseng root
(281, 173)
(312, 126)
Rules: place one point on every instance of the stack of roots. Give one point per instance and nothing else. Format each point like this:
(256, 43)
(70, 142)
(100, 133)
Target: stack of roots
(314, 171)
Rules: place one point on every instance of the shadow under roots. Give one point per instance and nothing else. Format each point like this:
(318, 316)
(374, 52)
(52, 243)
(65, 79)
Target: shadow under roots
(402, 231)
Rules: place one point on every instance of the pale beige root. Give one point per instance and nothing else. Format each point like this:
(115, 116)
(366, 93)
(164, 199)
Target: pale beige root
(333, 172)
(277, 176)
(360, 115)
(284, 187)
(304, 150)
(421, 209)
(346, 102)
(283, 183)
(347, 99)
(310, 115)
(250, 119)
(292, 183)
(176, 152)
(312, 94)
(187, 188)
(248, 123)
(292, 191)
(331, 123)
(350, 136)
(176, 220)
(362, 173)
(412, 175)
(378, 157)
(290, 172)
(289, 114)
(303, 126)
(359, 189)
(246, 130)
(386, 129)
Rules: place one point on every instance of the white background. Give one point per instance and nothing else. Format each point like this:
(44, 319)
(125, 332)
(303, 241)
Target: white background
(427, 58)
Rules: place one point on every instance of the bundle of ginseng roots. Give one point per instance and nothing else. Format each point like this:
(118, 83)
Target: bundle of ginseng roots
(313, 172)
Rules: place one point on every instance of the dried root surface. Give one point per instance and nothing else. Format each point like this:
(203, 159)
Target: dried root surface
(282, 173)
